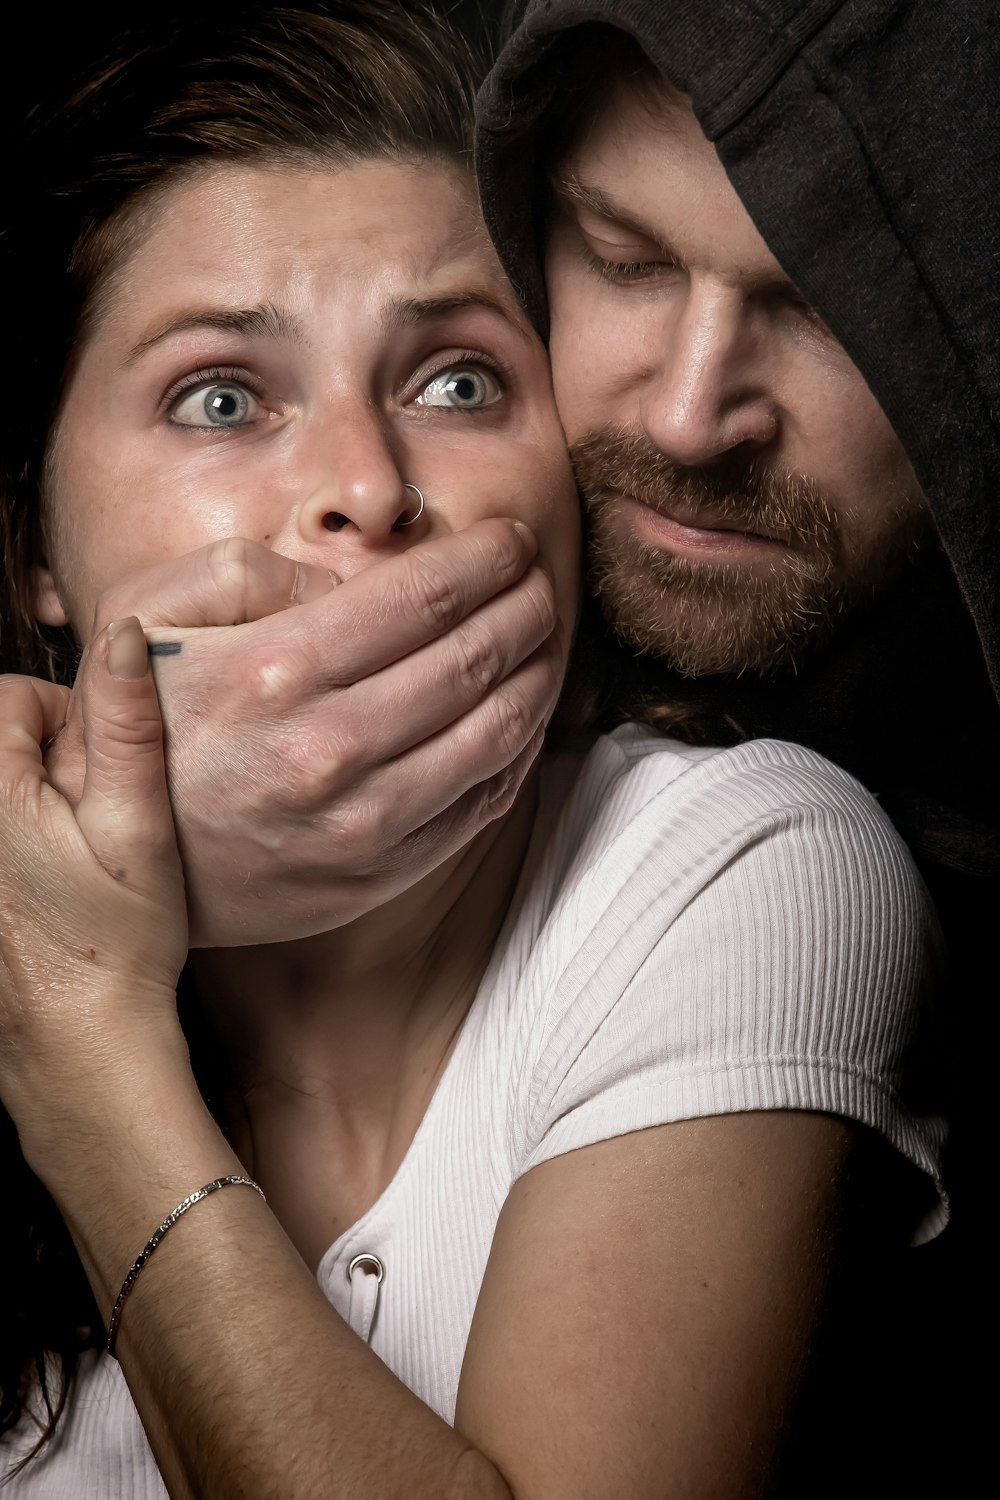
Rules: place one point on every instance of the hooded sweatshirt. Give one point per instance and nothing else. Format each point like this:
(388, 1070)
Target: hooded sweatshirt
(863, 139)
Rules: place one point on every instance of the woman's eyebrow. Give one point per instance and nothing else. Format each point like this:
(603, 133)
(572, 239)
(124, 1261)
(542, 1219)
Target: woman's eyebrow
(265, 321)
(410, 312)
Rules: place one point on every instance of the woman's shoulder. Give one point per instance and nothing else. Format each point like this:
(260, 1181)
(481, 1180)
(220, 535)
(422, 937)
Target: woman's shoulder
(645, 844)
(726, 930)
(632, 786)
(633, 757)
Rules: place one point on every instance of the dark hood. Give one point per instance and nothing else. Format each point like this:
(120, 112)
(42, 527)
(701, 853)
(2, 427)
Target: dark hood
(862, 140)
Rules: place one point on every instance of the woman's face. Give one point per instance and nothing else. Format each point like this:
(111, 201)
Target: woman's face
(282, 353)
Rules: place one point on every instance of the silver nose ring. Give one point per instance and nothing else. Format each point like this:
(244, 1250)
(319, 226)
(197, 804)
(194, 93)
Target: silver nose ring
(420, 509)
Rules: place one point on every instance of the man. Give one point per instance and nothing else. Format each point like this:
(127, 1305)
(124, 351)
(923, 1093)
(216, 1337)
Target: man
(758, 240)
(693, 283)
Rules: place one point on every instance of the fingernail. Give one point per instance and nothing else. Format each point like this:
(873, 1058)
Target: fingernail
(528, 535)
(128, 654)
(313, 584)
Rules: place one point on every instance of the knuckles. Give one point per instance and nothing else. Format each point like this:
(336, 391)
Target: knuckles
(431, 594)
(331, 814)
(315, 773)
(483, 653)
(365, 837)
(501, 793)
(278, 678)
(505, 551)
(523, 705)
(501, 790)
(440, 601)
(480, 661)
(540, 599)
(514, 722)
(131, 725)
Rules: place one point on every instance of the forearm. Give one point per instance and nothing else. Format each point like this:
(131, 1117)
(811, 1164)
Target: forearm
(246, 1380)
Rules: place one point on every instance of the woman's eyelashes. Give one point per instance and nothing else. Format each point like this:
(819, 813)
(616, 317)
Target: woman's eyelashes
(464, 387)
(223, 399)
(214, 399)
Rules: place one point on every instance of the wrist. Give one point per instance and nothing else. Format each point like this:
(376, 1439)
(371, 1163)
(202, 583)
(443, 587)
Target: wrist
(117, 1161)
(73, 1103)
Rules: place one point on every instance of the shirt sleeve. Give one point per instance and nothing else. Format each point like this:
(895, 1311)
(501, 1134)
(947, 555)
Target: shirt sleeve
(761, 941)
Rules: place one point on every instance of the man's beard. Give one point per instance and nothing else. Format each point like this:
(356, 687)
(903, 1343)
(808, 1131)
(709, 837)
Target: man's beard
(716, 617)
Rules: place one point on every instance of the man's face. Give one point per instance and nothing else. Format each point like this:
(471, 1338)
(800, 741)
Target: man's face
(742, 484)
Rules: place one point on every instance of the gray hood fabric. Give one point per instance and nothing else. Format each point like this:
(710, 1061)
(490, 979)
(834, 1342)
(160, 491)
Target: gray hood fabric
(863, 137)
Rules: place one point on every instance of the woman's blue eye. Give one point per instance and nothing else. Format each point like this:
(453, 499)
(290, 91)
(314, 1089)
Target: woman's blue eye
(219, 405)
(462, 387)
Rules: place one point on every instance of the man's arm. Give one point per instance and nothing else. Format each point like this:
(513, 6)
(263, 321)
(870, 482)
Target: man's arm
(327, 743)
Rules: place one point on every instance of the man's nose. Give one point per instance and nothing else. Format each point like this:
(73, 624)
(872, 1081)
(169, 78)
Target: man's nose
(706, 393)
(358, 487)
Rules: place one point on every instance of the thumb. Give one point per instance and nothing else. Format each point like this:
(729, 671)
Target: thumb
(229, 582)
(124, 812)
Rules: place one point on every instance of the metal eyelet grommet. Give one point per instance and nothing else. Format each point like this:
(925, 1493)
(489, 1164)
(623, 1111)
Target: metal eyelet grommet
(373, 1264)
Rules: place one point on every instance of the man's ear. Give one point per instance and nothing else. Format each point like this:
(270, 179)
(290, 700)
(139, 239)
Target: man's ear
(46, 605)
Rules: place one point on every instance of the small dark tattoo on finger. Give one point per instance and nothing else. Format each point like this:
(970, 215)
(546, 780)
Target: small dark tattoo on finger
(166, 648)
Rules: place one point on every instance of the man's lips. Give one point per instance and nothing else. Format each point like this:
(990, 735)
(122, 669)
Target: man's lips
(688, 531)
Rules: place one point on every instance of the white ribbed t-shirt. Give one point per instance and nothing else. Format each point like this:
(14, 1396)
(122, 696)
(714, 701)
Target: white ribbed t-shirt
(695, 932)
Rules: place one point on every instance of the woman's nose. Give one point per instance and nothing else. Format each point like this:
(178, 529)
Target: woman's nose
(359, 489)
(362, 521)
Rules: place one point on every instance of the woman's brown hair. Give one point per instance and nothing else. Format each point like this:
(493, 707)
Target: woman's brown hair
(362, 80)
(365, 79)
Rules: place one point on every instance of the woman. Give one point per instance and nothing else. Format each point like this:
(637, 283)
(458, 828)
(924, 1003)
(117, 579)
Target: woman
(576, 1132)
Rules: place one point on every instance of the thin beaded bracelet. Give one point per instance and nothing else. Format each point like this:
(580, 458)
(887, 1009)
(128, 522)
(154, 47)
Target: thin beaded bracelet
(236, 1180)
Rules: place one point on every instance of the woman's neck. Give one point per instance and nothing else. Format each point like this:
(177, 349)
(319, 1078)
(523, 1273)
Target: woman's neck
(341, 1039)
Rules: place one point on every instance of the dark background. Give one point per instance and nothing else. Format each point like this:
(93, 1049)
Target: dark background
(47, 48)
(951, 1404)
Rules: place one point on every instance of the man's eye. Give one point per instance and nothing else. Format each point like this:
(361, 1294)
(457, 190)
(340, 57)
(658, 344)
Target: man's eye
(221, 404)
(622, 271)
(627, 270)
(463, 387)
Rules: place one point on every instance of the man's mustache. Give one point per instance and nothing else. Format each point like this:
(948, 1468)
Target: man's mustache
(744, 495)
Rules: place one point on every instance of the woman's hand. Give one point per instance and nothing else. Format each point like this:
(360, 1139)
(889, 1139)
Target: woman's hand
(93, 931)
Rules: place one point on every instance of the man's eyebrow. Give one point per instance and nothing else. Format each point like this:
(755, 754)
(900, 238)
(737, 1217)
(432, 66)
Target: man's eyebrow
(265, 321)
(570, 186)
(410, 312)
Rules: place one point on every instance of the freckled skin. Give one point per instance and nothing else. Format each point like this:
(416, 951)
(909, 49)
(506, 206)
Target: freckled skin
(337, 427)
